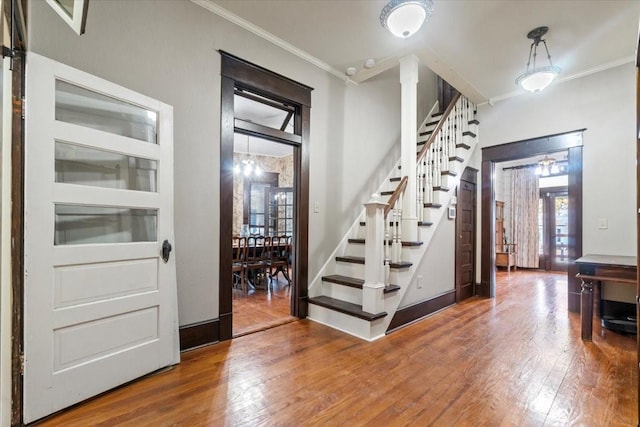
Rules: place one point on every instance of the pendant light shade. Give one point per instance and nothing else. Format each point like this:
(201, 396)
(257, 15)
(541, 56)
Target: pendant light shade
(535, 78)
(403, 18)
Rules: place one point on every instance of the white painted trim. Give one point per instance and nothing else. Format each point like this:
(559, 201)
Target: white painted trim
(5, 250)
(603, 67)
(272, 38)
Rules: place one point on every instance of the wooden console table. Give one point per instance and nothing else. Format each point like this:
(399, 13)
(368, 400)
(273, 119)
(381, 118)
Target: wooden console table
(593, 269)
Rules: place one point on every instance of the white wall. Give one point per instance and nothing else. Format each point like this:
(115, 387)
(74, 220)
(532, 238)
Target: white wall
(167, 50)
(604, 104)
(437, 267)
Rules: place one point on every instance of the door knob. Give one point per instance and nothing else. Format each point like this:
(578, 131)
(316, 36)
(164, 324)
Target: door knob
(166, 250)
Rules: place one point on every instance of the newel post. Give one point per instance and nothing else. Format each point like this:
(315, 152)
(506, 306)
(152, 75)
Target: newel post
(373, 288)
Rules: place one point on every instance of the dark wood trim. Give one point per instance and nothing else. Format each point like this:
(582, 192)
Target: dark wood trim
(470, 175)
(255, 129)
(239, 73)
(487, 232)
(533, 147)
(271, 178)
(225, 302)
(300, 294)
(638, 211)
(263, 81)
(17, 236)
(571, 141)
(574, 227)
(199, 334)
(415, 312)
(265, 101)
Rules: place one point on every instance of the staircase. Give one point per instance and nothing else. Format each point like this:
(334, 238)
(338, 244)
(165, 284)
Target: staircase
(361, 299)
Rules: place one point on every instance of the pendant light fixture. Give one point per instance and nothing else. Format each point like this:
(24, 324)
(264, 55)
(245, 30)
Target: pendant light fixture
(403, 18)
(535, 78)
(247, 166)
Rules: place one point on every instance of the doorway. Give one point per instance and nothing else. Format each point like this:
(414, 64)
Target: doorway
(263, 214)
(570, 141)
(242, 79)
(553, 208)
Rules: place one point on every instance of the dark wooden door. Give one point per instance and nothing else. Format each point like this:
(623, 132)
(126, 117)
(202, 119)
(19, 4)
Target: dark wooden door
(465, 239)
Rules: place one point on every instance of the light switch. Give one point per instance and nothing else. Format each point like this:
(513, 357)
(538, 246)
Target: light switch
(603, 224)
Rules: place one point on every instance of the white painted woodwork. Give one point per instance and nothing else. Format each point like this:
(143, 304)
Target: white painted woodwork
(5, 244)
(97, 315)
(408, 140)
(373, 298)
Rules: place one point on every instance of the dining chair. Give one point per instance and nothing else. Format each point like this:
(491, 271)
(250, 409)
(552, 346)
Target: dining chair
(279, 257)
(237, 266)
(255, 263)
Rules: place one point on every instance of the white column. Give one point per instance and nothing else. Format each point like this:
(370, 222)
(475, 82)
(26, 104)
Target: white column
(373, 288)
(408, 138)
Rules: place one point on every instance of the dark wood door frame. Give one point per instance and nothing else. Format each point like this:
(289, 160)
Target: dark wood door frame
(238, 72)
(571, 141)
(548, 208)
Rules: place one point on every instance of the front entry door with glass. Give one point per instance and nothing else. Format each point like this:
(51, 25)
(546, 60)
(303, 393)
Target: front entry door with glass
(100, 290)
(553, 229)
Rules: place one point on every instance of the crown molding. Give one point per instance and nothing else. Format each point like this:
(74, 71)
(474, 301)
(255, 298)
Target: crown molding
(211, 6)
(585, 73)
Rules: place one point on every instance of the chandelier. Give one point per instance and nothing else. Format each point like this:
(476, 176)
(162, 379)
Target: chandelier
(403, 18)
(547, 166)
(535, 78)
(247, 166)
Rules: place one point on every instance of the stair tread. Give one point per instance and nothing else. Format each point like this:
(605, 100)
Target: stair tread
(391, 288)
(474, 122)
(345, 307)
(344, 280)
(404, 243)
(360, 260)
(441, 188)
(425, 224)
(469, 133)
(456, 159)
(395, 179)
(463, 145)
(386, 193)
(432, 205)
(351, 259)
(450, 173)
(432, 123)
(354, 282)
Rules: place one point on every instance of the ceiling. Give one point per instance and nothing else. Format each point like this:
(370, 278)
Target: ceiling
(480, 47)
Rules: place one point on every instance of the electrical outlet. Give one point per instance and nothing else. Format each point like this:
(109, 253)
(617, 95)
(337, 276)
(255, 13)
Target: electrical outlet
(603, 224)
(316, 207)
(419, 282)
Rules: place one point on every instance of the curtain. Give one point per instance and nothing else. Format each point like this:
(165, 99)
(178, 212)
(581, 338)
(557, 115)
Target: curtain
(525, 193)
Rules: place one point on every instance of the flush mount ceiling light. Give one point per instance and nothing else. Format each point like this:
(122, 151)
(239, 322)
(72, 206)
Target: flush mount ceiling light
(403, 18)
(535, 78)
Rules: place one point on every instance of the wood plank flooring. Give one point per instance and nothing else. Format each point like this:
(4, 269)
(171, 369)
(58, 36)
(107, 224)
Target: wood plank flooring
(516, 360)
(260, 309)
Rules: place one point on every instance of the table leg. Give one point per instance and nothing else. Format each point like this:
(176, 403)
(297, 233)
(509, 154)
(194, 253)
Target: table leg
(586, 310)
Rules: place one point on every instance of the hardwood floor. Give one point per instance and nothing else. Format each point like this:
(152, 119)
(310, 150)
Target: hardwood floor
(260, 309)
(516, 360)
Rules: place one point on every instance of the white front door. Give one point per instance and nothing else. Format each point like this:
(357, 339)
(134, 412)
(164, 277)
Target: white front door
(99, 301)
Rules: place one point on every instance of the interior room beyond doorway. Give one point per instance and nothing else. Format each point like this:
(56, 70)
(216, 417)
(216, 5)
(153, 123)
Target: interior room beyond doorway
(263, 233)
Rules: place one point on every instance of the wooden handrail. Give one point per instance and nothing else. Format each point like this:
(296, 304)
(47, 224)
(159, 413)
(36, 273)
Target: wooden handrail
(432, 138)
(396, 195)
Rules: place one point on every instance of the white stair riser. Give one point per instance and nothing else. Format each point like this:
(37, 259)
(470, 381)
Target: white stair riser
(355, 249)
(342, 292)
(349, 269)
(462, 152)
(430, 214)
(448, 180)
(351, 325)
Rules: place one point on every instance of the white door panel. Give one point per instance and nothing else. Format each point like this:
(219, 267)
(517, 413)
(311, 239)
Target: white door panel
(100, 302)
